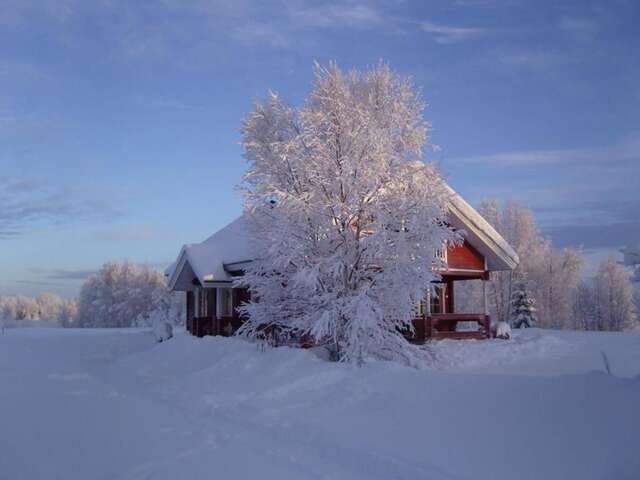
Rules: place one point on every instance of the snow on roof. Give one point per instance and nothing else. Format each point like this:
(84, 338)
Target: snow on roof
(231, 245)
(481, 235)
(228, 245)
(169, 270)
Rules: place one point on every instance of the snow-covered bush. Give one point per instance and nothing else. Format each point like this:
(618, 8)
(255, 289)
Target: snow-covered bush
(167, 311)
(523, 310)
(123, 294)
(162, 329)
(346, 219)
(502, 331)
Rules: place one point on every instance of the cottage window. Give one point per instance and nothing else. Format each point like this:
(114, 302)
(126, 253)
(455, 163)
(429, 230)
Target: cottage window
(436, 299)
(225, 302)
(201, 309)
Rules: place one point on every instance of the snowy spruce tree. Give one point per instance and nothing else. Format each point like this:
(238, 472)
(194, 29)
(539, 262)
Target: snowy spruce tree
(345, 217)
(523, 311)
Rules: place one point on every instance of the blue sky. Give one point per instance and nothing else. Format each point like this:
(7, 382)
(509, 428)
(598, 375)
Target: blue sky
(119, 121)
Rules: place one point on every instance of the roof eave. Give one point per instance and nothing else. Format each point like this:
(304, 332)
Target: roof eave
(459, 208)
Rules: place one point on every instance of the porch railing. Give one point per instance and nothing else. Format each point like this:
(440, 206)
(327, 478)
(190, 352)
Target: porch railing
(434, 326)
(444, 325)
(201, 326)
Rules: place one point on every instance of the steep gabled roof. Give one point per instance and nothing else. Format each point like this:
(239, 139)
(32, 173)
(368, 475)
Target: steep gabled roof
(481, 235)
(206, 261)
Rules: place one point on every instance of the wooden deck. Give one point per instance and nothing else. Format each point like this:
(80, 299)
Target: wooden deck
(436, 326)
(201, 326)
(439, 326)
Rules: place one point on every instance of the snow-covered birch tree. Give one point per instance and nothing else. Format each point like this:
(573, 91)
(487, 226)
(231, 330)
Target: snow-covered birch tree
(517, 225)
(613, 291)
(123, 294)
(550, 275)
(346, 218)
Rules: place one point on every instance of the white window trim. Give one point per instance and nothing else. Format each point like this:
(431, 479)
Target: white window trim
(219, 312)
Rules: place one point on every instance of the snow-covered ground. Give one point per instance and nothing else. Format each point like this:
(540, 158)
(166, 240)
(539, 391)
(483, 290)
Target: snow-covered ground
(113, 404)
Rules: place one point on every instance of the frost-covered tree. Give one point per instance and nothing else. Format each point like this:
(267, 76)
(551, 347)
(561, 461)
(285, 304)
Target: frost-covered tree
(168, 307)
(517, 225)
(68, 313)
(345, 217)
(613, 294)
(523, 310)
(552, 275)
(49, 306)
(27, 308)
(554, 282)
(46, 307)
(586, 306)
(8, 307)
(635, 277)
(120, 295)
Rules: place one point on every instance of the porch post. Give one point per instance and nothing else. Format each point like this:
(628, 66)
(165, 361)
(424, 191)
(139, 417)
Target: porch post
(487, 321)
(428, 306)
(428, 326)
(484, 297)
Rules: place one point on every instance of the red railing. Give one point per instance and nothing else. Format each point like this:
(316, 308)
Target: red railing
(435, 326)
(444, 325)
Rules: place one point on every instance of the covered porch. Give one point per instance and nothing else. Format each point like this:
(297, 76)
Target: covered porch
(438, 316)
(214, 310)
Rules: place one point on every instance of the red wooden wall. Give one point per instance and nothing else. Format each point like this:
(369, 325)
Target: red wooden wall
(465, 257)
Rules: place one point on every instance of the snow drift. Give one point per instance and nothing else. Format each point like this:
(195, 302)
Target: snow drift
(77, 404)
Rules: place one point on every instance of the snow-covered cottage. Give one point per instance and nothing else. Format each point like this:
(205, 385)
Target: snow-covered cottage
(207, 271)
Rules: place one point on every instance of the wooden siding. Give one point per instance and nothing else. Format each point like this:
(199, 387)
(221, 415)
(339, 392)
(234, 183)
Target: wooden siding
(208, 323)
(190, 311)
(212, 300)
(435, 326)
(465, 257)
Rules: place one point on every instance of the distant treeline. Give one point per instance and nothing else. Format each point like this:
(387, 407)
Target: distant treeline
(47, 307)
(121, 294)
(553, 279)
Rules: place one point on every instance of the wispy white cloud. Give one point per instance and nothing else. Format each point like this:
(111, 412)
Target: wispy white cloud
(126, 233)
(63, 274)
(582, 196)
(582, 29)
(168, 104)
(477, 3)
(335, 15)
(446, 34)
(625, 153)
(532, 60)
(16, 12)
(25, 203)
(264, 34)
(158, 29)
